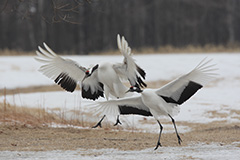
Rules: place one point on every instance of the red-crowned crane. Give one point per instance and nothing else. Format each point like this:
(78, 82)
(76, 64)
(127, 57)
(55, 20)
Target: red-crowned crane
(164, 101)
(102, 79)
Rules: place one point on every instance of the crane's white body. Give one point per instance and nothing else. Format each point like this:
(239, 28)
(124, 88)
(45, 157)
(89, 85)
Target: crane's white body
(147, 101)
(111, 80)
(157, 105)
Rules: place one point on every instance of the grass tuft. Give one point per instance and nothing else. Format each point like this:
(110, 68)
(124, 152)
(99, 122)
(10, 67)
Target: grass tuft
(26, 116)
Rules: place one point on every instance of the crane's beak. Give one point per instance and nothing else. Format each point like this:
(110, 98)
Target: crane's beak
(128, 91)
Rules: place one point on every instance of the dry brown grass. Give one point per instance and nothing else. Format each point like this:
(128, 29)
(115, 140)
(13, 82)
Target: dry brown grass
(7, 52)
(40, 117)
(199, 49)
(162, 49)
(42, 138)
(26, 116)
(31, 89)
(233, 48)
(27, 129)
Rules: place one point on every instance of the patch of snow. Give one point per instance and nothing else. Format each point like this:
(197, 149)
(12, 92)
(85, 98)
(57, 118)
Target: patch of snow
(221, 95)
(194, 151)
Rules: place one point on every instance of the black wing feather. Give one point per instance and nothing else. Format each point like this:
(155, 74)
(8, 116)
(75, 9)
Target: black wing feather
(139, 79)
(141, 71)
(66, 82)
(189, 91)
(132, 110)
(93, 96)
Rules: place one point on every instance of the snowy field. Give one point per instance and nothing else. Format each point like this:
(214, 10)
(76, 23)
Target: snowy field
(221, 96)
(198, 151)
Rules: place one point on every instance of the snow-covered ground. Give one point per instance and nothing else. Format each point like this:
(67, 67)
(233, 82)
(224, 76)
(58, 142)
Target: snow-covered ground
(219, 96)
(196, 151)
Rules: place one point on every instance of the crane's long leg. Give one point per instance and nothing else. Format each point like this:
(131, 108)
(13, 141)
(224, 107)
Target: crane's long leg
(99, 123)
(158, 143)
(118, 121)
(179, 139)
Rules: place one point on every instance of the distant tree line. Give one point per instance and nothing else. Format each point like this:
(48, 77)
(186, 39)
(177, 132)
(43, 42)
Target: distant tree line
(83, 26)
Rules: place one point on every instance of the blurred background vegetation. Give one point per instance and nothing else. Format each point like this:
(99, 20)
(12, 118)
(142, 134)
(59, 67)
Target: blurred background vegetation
(91, 26)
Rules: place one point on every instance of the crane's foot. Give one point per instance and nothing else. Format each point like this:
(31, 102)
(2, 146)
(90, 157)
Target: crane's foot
(99, 123)
(117, 122)
(158, 144)
(179, 139)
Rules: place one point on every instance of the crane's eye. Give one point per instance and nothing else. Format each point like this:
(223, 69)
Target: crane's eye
(87, 72)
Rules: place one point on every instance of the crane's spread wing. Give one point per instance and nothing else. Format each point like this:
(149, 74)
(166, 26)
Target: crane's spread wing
(133, 105)
(181, 89)
(129, 69)
(64, 72)
(91, 87)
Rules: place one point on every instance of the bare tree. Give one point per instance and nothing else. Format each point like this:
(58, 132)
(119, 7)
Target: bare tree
(83, 26)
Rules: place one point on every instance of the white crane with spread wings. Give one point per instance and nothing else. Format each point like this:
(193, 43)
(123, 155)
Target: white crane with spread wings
(164, 101)
(102, 79)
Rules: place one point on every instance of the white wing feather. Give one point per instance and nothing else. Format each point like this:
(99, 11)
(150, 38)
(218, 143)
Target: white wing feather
(201, 74)
(111, 107)
(55, 65)
(127, 69)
